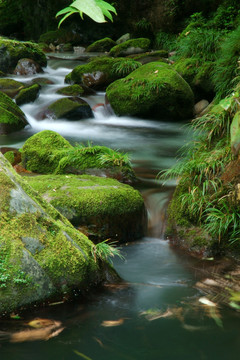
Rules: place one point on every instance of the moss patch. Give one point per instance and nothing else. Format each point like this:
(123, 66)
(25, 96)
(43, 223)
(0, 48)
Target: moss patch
(72, 90)
(11, 116)
(101, 45)
(130, 46)
(28, 94)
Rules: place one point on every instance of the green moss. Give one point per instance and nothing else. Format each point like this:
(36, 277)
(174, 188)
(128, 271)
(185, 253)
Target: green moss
(27, 95)
(11, 116)
(153, 89)
(10, 84)
(9, 155)
(101, 45)
(152, 54)
(60, 36)
(12, 51)
(142, 44)
(72, 90)
(42, 151)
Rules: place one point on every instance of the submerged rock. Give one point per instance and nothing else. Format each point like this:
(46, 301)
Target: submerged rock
(154, 90)
(41, 254)
(104, 208)
(11, 116)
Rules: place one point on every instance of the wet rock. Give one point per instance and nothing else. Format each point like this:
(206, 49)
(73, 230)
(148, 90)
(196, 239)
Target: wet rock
(28, 94)
(106, 208)
(10, 87)
(68, 108)
(200, 106)
(27, 67)
(11, 116)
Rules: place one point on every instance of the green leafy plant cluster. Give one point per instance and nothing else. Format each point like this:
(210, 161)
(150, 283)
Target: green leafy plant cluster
(125, 67)
(165, 41)
(105, 251)
(202, 198)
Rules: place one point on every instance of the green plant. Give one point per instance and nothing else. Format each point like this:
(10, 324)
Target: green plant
(200, 43)
(226, 70)
(165, 41)
(114, 157)
(125, 67)
(95, 9)
(105, 251)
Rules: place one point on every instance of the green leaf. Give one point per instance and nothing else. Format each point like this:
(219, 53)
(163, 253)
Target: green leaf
(226, 103)
(66, 16)
(90, 8)
(65, 10)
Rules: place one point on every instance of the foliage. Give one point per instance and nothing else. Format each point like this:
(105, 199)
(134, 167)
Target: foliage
(226, 71)
(104, 251)
(165, 41)
(200, 43)
(95, 9)
(226, 15)
(125, 67)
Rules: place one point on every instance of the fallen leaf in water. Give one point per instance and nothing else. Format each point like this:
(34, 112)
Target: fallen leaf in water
(154, 314)
(206, 301)
(98, 341)
(193, 328)
(109, 323)
(37, 334)
(41, 323)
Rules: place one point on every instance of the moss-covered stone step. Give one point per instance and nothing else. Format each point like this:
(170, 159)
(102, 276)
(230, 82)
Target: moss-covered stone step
(11, 116)
(105, 207)
(154, 90)
(42, 256)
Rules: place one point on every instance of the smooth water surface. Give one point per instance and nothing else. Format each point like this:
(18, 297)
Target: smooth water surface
(156, 312)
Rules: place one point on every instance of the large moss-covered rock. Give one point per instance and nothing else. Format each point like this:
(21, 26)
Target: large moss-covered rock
(48, 152)
(153, 90)
(68, 108)
(101, 45)
(28, 94)
(11, 51)
(71, 90)
(129, 47)
(41, 255)
(11, 116)
(100, 72)
(106, 208)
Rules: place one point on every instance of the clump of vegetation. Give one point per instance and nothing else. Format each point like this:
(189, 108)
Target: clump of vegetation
(125, 67)
(226, 70)
(165, 41)
(105, 251)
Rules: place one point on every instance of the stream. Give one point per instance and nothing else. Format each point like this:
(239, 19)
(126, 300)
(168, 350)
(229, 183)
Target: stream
(156, 314)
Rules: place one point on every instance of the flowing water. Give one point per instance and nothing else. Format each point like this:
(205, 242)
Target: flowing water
(156, 315)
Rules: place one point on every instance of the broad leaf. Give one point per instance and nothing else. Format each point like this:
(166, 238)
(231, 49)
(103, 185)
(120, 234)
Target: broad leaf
(89, 8)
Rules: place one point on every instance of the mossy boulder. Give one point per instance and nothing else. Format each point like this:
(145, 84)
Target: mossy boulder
(101, 45)
(72, 90)
(11, 116)
(145, 58)
(10, 87)
(154, 90)
(42, 256)
(105, 208)
(48, 152)
(98, 73)
(68, 108)
(197, 75)
(129, 47)
(41, 152)
(61, 36)
(11, 51)
(28, 94)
